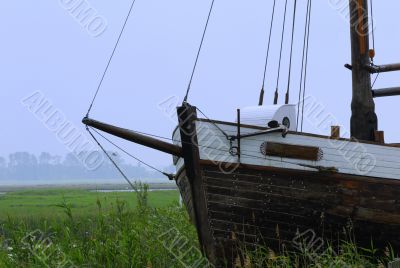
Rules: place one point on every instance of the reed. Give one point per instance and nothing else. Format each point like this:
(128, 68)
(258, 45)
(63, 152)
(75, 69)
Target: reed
(143, 236)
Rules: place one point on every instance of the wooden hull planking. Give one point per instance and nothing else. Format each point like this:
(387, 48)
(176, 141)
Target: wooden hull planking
(274, 207)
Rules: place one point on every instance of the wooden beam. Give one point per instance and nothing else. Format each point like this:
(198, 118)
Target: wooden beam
(291, 151)
(238, 133)
(383, 68)
(335, 132)
(380, 136)
(187, 116)
(386, 92)
(135, 137)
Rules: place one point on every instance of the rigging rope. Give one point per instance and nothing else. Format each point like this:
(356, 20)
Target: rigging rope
(372, 25)
(170, 176)
(280, 55)
(306, 64)
(302, 65)
(291, 53)
(376, 78)
(372, 52)
(198, 52)
(110, 59)
(220, 129)
(261, 100)
(112, 160)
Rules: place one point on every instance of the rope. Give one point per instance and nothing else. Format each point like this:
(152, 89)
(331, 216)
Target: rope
(373, 38)
(306, 64)
(261, 100)
(132, 156)
(372, 24)
(220, 129)
(291, 53)
(112, 160)
(280, 54)
(376, 78)
(198, 52)
(302, 64)
(110, 59)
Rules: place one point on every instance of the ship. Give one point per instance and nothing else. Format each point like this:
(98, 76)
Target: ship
(259, 181)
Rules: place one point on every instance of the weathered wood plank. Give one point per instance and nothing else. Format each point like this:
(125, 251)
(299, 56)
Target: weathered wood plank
(291, 151)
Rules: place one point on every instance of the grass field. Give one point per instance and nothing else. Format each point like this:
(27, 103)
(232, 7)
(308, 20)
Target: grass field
(77, 228)
(44, 203)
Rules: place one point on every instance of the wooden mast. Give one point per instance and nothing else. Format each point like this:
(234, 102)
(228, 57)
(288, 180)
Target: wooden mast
(364, 121)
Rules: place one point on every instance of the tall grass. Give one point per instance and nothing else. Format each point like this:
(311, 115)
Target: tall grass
(118, 238)
(138, 237)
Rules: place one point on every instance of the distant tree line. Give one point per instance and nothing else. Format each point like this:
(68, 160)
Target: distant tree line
(22, 166)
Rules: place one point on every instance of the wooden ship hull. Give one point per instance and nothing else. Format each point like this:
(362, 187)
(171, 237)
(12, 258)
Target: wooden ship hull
(247, 186)
(254, 199)
(278, 209)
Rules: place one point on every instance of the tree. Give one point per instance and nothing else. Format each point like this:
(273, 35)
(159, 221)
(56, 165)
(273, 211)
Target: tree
(71, 160)
(22, 159)
(3, 166)
(3, 163)
(22, 165)
(45, 158)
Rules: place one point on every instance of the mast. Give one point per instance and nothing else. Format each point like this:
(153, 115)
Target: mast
(364, 121)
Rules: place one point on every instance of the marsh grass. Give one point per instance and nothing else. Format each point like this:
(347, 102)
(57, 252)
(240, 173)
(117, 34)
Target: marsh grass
(349, 256)
(126, 236)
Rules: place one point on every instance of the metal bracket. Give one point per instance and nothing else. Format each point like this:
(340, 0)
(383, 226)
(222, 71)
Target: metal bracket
(281, 128)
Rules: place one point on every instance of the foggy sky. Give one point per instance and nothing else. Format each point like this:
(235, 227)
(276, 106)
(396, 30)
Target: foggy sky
(45, 49)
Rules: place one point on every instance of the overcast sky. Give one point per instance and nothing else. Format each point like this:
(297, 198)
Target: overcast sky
(45, 48)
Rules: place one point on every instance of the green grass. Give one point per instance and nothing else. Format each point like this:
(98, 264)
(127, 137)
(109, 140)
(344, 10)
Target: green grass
(44, 203)
(53, 228)
(49, 228)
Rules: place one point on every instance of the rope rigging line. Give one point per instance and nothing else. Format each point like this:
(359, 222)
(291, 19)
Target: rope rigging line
(302, 66)
(280, 55)
(220, 129)
(261, 100)
(306, 65)
(373, 51)
(170, 176)
(198, 52)
(111, 57)
(112, 160)
(372, 25)
(376, 79)
(291, 53)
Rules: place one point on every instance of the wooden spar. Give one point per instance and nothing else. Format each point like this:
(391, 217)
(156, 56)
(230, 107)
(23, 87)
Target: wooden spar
(135, 137)
(364, 121)
(383, 68)
(385, 92)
